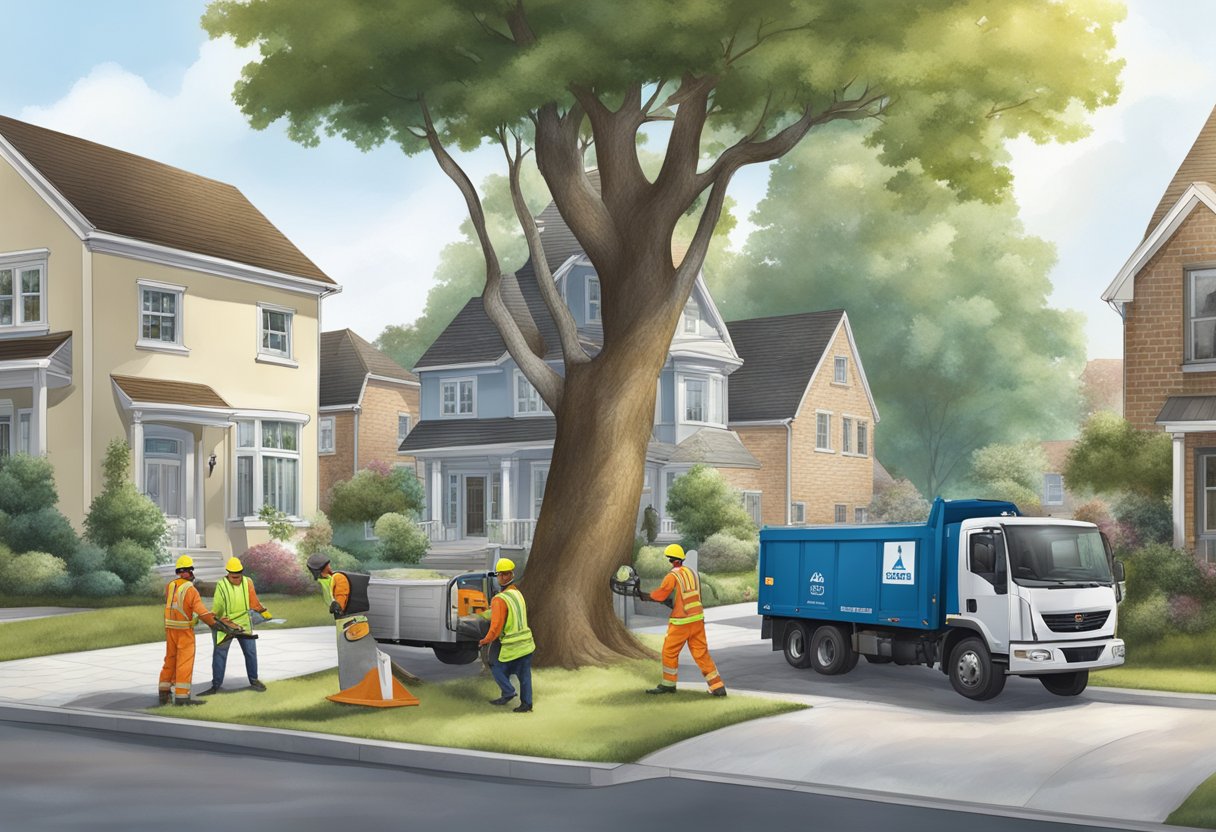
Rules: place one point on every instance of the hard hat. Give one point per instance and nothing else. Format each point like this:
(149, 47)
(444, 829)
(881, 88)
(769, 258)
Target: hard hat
(504, 565)
(234, 565)
(316, 563)
(674, 550)
(184, 562)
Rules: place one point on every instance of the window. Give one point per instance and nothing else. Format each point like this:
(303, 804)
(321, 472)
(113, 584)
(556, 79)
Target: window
(403, 427)
(369, 530)
(1201, 316)
(22, 290)
(325, 435)
(846, 435)
(692, 318)
(453, 497)
(842, 370)
(861, 515)
(717, 399)
(274, 332)
(6, 435)
(457, 397)
(160, 314)
(863, 438)
(496, 495)
(823, 434)
(527, 401)
(694, 399)
(23, 432)
(1053, 489)
(751, 504)
(798, 512)
(267, 467)
(540, 476)
(593, 299)
(842, 514)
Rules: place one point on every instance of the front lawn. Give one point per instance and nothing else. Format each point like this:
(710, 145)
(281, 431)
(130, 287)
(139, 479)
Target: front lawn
(597, 714)
(1140, 677)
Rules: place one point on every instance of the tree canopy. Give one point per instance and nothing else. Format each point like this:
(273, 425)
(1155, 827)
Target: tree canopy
(1113, 457)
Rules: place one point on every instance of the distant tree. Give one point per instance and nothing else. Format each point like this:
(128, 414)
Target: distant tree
(1112, 457)
(1010, 472)
(375, 491)
(899, 502)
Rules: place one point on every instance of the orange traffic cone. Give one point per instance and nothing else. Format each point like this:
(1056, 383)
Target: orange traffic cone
(378, 689)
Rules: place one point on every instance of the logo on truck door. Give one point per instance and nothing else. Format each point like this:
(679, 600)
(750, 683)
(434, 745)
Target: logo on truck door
(817, 583)
(899, 562)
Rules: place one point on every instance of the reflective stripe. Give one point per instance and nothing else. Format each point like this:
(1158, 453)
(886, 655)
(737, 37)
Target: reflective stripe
(709, 677)
(516, 638)
(175, 601)
(667, 669)
(689, 607)
(688, 619)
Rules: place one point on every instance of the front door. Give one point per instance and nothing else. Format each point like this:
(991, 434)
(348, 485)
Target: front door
(164, 482)
(983, 585)
(474, 506)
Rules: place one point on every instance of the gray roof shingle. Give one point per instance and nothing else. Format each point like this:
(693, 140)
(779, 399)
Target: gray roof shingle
(453, 433)
(779, 356)
(346, 359)
(714, 446)
(1188, 409)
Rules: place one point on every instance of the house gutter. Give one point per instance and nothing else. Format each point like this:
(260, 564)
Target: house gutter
(789, 458)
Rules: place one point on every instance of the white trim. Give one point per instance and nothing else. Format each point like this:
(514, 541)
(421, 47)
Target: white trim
(845, 359)
(272, 415)
(391, 380)
(458, 380)
(1178, 497)
(338, 408)
(824, 449)
(1122, 288)
(42, 186)
(1199, 367)
(178, 344)
(14, 263)
(471, 365)
(272, 356)
(1189, 427)
(10, 258)
(861, 370)
(333, 435)
(543, 410)
(410, 417)
(480, 450)
(160, 346)
(277, 360)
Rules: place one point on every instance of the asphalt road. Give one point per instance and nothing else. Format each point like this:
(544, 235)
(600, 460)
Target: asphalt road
(69, 779)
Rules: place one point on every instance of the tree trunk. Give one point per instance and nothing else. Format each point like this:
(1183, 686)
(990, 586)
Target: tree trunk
(588, 521)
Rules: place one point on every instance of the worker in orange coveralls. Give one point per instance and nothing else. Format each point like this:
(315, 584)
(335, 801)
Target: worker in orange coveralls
(182, 605)
(685, 626)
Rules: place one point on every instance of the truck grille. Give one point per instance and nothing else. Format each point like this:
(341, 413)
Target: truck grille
(1082, 654)
(1066, 622)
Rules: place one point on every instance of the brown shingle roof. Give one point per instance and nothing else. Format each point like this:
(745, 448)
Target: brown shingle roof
(345, 360)
(1198, 166)
(161, 391)
(129, 195)
(38, 346)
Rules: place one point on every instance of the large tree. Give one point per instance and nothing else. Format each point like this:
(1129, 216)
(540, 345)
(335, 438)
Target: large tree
(947, 82)
(948, 300)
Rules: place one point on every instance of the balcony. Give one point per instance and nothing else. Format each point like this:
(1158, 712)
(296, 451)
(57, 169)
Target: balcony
(511, 532)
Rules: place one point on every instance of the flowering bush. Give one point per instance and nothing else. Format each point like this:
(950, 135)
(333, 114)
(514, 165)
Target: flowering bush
(1098, 513)
(274, 568)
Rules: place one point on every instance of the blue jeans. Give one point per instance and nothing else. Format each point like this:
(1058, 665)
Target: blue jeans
(521, 667)
(219, 659)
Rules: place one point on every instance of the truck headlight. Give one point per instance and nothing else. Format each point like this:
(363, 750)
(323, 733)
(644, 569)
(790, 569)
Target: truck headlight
(1039, 655)
(1119, 651)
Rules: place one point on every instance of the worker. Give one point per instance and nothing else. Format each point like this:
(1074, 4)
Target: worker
(346, 595)
(182, 607)
(685, 626)
(234, 599)
(509, 626)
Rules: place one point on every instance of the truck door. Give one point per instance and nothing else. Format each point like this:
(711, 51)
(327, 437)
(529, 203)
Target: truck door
(983, 585)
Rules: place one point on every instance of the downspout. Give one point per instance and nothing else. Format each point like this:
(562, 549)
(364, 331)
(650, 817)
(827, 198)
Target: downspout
(356, 410)
(789, 460)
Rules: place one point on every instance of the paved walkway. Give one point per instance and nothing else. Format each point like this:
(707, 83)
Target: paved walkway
(25, 613)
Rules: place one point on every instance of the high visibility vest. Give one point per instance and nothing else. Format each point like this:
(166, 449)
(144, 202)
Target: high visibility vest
(686, 607)
(232, 602)
(516, 638)
(327, 592)
(176, 617)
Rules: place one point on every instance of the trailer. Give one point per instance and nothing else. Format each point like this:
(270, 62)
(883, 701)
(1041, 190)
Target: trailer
(444, 615)
(977, 590)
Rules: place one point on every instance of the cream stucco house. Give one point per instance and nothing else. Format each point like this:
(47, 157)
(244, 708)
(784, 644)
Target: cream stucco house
(138, 300)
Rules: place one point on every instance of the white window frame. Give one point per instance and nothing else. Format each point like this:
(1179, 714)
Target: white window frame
(826, 433)
(369, 530)
(596, 306)
(1191, 318)
(846, 434)
(272, 356)
(863, 438)
(329, 423)
(409, 425)
(453, 501)
(690, 320)
(23, 437)
(1050, 480)
(16, 262)
(840, 370)
(841, 513)
(179, 298)
(258, 454)
(541, 409)
(798, 513)
(757, 495)
(535, 498)
(704, 382)
(715, 402)
(457, 382)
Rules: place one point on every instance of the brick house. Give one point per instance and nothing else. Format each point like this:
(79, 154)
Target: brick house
(368, 405)
(1166, 294)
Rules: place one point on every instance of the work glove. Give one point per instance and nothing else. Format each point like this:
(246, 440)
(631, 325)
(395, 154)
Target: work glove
(265, 614)
(335, 609)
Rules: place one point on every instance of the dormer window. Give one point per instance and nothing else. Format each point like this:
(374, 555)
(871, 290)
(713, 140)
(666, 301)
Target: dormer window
(23, 289)
(593, 299)
(458, 397)
(842, 370)
(692, 318)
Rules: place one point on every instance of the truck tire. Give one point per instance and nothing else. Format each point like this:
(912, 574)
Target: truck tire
(797, 645)
(455, 655)
(831, 652)
(1066, 684)
(972, 671)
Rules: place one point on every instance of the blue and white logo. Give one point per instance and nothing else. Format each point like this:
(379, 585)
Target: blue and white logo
(899, 562)
(817, 583)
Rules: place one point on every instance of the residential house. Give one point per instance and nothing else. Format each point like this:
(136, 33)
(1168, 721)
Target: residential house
(1166, 294)
(144, 302)
(485, 439)
(1056, 499)
(368, 405)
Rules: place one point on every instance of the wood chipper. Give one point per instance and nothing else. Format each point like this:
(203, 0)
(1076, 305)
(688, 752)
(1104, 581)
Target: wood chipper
(443, 615)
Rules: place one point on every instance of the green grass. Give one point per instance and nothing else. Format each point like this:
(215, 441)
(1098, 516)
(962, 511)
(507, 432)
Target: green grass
(1199, 809)
(118, 626)
(597, 714)
(1141, 677)
(88, 602)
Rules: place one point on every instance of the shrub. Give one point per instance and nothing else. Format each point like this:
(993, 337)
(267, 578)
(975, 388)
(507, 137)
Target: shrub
(45, 530)
(724, 553)
(1098, 513)
(1161, 569)
(702, 504)
(89, 557)
(27, 484)
(401, 541)
(728, 589)
(350, 537)
(1188, 614)
(1112, 456)
(341, 561)
(650, 524)
(1146, 621)
(120, 512)
(129, 561)
(318, 535)
(1010, 469)
(279, 527)
(375, 491)
(899, 502)
(650, 563)
(1144, 520)
(36, 573)
(274, 568)
(98, 584)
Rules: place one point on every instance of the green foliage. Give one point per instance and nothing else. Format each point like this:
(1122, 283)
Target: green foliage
(120, 512)
(650, 524)
(318, 535)
(27, 484)
(349, 537)
(45, 530)
(1144, 520)
(374, 491)
(728, 588)
(650, 563)
(340, 560)
(725, 553)
(129, 560)
(100, 584)
(34, 573)
(88, 558)
(280, 528)
(702, 504)
(899, 502)
(1021, 465)
(1111, 456)
(401, 541)
(116, 464)
(1161, 569)
(1144, 622)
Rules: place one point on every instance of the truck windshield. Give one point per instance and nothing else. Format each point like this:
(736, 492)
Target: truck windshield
(1057, 556)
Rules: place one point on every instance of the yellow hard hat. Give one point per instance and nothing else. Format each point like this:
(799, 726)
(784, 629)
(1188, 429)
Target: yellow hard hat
(185, 562)
(674, 550)
(234, 565)
(504, 565)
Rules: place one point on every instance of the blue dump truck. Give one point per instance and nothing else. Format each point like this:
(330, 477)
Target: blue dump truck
(977, 589)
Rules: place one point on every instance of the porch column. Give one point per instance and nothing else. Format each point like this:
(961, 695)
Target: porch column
(200, 462)
(137, 448)
(504, 503)
(38, 428)
(437, 493)
(1178, 497)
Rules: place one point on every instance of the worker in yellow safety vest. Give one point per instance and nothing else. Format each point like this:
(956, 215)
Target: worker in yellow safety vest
(183, 607)
(509, 626)
(235, 600)
(685, 626)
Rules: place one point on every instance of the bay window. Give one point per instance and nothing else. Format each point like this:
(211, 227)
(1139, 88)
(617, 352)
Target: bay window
(267, 467)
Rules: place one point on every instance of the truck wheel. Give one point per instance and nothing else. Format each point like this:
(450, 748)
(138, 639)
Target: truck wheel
(455, 655)
(1066, 684)
(796, 645)
(972, 672)
(831, 653)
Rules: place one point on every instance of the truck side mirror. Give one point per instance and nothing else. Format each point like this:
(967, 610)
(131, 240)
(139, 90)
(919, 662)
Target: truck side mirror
(1118, 570)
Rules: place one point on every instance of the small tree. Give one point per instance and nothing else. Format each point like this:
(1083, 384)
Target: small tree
(401, 541)
(899, 502)
(1112, 456)
(702, 504)
(280, 528)
(120, 512)
(376, 490)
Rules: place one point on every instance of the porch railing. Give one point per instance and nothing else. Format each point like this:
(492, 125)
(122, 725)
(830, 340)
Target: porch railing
(511, 532)
(667, 526)
(436, 532)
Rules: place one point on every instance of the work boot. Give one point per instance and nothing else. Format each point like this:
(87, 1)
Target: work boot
(189, 702)
(502, 700)
(165, 697)
(209, 691)
(523, 709)
(663, 689)
(718, 691)
(256, 685)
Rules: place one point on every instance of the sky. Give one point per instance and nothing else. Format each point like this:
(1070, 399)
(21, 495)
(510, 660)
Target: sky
(142, 76)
